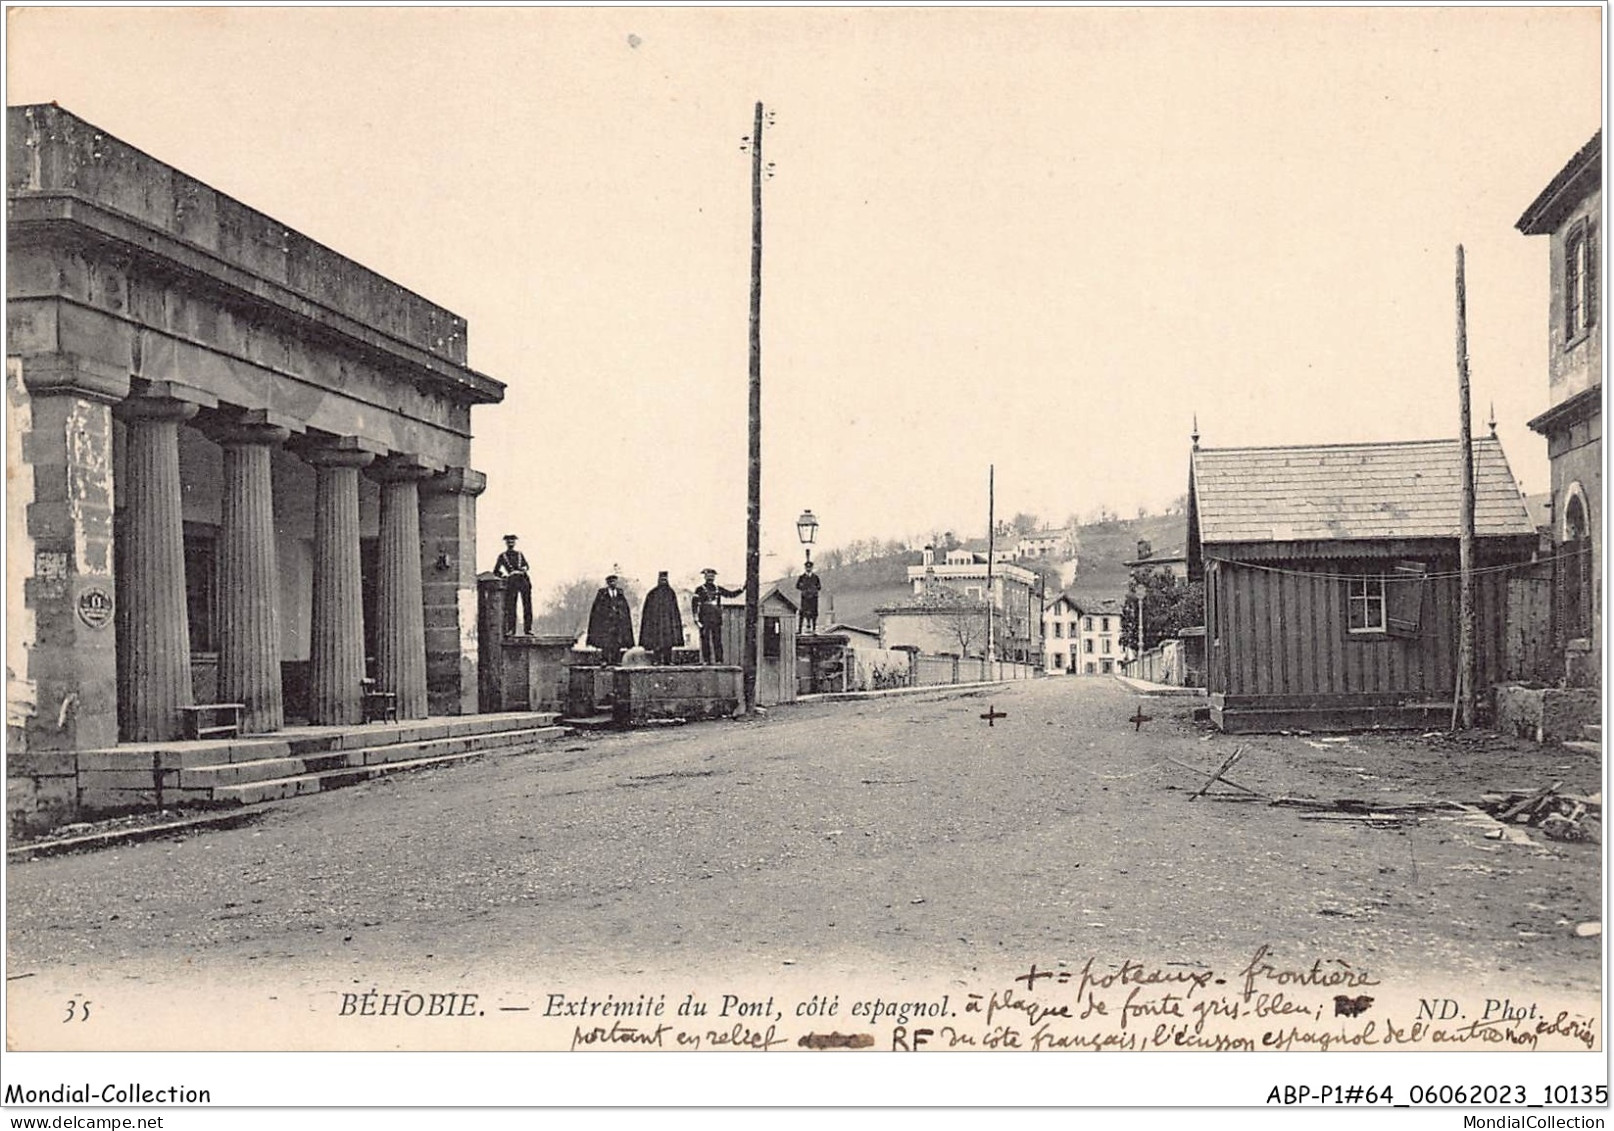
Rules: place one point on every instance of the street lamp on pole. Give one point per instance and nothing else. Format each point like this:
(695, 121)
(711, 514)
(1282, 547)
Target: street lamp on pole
(807, 531)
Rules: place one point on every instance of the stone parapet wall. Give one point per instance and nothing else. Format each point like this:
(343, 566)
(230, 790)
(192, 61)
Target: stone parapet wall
(649, 694)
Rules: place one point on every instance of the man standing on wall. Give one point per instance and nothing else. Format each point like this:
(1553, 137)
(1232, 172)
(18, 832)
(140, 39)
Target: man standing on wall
(708, 606)
(610, 623)
(661, 628)
(512, 565)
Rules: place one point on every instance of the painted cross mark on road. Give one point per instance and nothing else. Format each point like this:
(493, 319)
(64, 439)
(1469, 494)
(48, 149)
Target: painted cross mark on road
(1139, 719)
(993, 715)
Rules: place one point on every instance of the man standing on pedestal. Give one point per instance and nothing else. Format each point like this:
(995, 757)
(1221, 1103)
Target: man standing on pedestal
(610, 623)
(809, 584)
(661, 627)
(708, 606)
(512, 565)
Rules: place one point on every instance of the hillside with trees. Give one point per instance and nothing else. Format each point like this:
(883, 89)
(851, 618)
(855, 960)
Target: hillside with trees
(864, 575)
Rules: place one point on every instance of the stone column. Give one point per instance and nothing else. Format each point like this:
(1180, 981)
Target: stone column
(448, 585)
(337, 649)
(249, 577)
(154, 647)
(401, 635)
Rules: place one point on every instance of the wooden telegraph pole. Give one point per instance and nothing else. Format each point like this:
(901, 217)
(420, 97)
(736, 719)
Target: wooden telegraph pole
(1465, 538)
(753, 506)
(991, 546)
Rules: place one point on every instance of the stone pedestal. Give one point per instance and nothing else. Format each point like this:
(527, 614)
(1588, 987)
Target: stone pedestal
(1546, 714)
(154, 650)
(1583, 663)
(449, 589)
(490, 598)
(336, 654)
(650, 694)
(537, 673)
(588, 684)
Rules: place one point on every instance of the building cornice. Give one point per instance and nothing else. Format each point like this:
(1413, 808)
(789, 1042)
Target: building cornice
(1582, 406)
(1577, 180)
(61, 219)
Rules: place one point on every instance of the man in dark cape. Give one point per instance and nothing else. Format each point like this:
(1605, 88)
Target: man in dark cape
(610, 623)
(661, 626)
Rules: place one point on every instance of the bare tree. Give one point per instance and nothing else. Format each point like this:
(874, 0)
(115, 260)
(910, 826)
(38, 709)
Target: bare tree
(962, 618)
(566, 611)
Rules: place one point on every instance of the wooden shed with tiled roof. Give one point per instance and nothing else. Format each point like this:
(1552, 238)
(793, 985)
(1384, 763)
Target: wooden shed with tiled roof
(1331, 584)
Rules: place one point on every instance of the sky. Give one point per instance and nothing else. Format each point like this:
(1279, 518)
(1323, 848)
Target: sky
(1041, 241)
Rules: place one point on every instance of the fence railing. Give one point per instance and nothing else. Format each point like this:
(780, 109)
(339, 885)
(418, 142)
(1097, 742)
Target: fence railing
(862, 669)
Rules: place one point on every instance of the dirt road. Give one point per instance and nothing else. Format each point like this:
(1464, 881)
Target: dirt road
(899, 837)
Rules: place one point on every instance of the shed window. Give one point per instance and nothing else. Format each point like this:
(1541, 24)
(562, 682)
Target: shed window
(1403, 599)
(772, 632)
(1366, 600)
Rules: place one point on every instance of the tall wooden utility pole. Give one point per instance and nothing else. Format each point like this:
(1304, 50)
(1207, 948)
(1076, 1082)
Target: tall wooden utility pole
(991, 546)
(1465, 535)
(753, 505)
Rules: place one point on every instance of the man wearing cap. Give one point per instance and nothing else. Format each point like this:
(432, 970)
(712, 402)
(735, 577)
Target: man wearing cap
(708, 606)
(512, 565)
(809, 584)
(610, 623)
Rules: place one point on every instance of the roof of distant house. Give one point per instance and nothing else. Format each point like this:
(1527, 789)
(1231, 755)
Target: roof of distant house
(1574, 182)
(1102, 603)
(1333, 492)
(1160, 557)
(852, 628)
(1540, 508)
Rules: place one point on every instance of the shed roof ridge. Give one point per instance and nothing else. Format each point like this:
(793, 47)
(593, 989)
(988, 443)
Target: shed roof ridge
(1348, 444)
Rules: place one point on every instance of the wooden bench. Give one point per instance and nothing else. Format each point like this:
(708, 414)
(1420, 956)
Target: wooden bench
(379, 706)
(211, 720)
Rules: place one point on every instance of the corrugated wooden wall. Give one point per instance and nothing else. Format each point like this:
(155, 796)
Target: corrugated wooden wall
(1282, 632)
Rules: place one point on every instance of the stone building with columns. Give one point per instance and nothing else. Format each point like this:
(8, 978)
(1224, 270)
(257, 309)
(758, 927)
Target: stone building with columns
(238, 464)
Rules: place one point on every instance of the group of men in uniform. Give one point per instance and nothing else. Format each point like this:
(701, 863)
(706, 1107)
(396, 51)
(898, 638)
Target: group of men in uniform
(661, 627)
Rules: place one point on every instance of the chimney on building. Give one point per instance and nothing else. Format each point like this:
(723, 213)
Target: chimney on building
(1144, 549)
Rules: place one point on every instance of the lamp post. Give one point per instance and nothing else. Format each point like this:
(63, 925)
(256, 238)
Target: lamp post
(807, 531)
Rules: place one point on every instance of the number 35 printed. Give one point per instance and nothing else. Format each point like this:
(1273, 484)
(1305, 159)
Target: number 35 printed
(76, 1010)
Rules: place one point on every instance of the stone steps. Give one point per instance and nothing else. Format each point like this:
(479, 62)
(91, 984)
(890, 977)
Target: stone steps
(265, 769)
(277, 789)
(592, 722)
